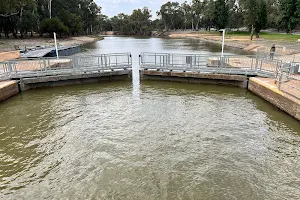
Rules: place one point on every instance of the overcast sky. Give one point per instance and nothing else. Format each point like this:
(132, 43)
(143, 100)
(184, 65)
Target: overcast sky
(114, 7)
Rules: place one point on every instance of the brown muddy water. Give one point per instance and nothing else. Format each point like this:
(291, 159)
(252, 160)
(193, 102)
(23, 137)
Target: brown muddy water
(146, 140)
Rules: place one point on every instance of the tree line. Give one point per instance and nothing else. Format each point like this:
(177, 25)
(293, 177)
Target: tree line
(74, 17)
(253, 14)
(66, 17)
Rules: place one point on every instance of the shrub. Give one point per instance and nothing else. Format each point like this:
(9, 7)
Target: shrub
(53, 25)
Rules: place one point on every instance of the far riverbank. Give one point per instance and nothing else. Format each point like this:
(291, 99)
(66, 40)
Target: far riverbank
(14, 44)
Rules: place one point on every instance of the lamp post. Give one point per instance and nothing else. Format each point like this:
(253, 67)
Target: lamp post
(223, 41)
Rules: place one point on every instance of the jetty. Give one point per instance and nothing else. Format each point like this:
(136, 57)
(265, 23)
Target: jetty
(39, 52)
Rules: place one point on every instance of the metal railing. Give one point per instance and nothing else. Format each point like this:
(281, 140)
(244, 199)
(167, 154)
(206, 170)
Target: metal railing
(20, 68)
(288, 79)
(210, 63)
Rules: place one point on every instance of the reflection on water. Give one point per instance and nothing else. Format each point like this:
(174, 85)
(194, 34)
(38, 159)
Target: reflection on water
(146, 140)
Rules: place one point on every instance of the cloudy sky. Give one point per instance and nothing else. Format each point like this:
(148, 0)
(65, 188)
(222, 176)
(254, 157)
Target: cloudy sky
(114, 7)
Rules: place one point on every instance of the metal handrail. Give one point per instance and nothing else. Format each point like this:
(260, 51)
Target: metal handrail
(27, 67)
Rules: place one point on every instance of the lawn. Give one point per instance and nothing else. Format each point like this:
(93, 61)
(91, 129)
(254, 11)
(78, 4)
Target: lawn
(263, 35)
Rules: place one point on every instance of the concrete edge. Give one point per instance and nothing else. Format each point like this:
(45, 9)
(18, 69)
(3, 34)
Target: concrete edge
(270, 93)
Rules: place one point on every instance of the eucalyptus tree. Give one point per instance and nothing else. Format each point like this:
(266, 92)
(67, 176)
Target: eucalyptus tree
(256, 15)
(140, 20)
(209, 13)
(12, 15)
(171, 15)
(290, 14)
(235, 14)
(198, 12)
(187, 14)
(221, 14)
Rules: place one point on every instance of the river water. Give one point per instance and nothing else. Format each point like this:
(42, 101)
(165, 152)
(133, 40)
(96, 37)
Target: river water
(147, 140)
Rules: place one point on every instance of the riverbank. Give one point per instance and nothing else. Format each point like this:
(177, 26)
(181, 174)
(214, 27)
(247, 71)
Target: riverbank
(238, 41)
(15, 44)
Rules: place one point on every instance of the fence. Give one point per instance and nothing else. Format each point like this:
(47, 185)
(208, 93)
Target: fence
(65, 65)
(229, 64)
(288, 79)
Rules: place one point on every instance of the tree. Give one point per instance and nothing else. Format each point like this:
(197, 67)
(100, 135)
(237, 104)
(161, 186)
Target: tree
(140, 20)
(256, 14)
(236, 16)
(72, 21)
(221, 14)
(209, 13)
(53, 25)
(187, 14)
(29, 19)
(171, 15)
(198, 12)
(290, 10)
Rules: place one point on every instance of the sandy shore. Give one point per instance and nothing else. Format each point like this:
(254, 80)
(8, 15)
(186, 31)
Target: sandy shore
(12, 44)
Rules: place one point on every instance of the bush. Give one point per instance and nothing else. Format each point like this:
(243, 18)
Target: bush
(53, 25)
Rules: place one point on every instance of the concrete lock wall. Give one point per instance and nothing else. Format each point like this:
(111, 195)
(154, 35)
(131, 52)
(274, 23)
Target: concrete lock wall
(189, 77)
(62, 80)
(271, 94)
(8, 89)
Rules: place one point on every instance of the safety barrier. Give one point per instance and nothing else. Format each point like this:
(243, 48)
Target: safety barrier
(210, 63)
(20, 68)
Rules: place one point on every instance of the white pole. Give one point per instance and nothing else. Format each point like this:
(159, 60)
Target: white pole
(223, 40)
(50, 7)
(55, 45)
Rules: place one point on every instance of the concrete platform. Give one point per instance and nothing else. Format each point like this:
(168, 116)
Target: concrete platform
(195, 77)
(266, 88)
(8, 89)
(71, 79)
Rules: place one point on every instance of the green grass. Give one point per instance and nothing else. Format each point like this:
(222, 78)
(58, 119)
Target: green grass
(269, 36)
(278, 36)
(263, 35)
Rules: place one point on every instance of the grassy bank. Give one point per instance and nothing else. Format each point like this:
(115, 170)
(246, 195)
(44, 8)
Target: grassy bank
(263, 35)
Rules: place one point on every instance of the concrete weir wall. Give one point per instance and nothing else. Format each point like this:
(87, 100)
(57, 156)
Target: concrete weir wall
(8, 89)
(190, 77)
(61, 80)
(281, 100)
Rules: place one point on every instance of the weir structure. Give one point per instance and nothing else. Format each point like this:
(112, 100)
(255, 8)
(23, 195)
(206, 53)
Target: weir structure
(275, 80)
(265, 77)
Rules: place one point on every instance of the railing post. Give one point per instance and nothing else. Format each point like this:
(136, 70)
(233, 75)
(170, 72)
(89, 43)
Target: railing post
(44, 62)
(105, 61)
(9, 67)
(116, 60)
(73, 62)
(280, 80)
(256, 64)
(128, 58)
(261, 62)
